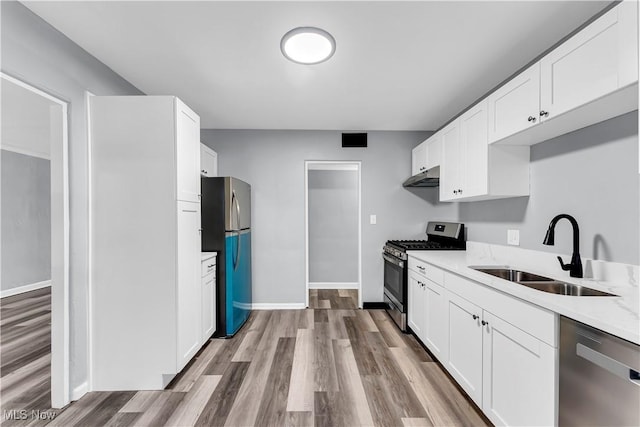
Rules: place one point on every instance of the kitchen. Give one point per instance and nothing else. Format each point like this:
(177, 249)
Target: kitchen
(584, 173)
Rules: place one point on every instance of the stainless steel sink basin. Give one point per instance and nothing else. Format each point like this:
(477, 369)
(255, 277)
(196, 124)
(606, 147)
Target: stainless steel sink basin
(562, 288)
(542, 283)
(514, 275)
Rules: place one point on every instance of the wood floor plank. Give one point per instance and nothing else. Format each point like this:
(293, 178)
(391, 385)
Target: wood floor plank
(298, 419)
(350, 383)
(274, 402)
(78, 410)
(325, 376)
(189, 377)
(141, 401)
(380, 405)
(247, 348)
(368, 325)
(404, 398)
(191, 407)
(161, 409)
(105, 410)
(320, 316)
(123, 419)
(390, 332)
(219, 405)
(416, 422)
(365, 360)
(245, 409)
(302, 378)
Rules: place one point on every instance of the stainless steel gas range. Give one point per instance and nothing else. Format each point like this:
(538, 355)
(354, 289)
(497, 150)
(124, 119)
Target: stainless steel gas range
(441, 236)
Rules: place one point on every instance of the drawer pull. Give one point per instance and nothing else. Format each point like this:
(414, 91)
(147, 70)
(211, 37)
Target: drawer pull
(475, 317)
(484, 323)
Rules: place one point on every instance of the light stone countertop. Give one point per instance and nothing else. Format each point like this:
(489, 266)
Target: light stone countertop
(619, 316)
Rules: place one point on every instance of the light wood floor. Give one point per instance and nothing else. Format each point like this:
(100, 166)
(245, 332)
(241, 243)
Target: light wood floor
(331, 366)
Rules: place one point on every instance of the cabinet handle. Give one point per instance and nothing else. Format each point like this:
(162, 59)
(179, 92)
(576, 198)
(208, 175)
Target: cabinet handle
(420, 267)
(203, 171)
(455, 191)
(544, 113)
(475, 316)
(484, 322)
(459, 191)
(531, 119)
(209, 266)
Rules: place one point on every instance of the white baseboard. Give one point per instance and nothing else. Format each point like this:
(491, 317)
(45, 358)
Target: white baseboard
(80, 391)
(334, 285)
(278, 306)
(24, 288)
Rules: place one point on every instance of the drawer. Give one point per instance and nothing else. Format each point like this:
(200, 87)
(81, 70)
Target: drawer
(208, 266)
(427, 270)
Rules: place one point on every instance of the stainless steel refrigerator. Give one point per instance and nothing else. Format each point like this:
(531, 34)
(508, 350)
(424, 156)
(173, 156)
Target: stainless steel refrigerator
(226, 229)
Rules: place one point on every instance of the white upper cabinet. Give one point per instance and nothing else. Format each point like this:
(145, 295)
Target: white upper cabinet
(473, 170)
(599, 60)
(589, 78)
(434, 150)
(419, 159)
(516, 105)
(208, 161)
(187, 153)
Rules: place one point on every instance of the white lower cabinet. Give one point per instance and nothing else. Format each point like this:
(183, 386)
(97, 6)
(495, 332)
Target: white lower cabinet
(208, 299)
(465, 346)
(501, 350)
(519, 376)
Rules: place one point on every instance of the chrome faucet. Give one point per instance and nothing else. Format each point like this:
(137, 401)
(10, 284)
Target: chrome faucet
(575, 266)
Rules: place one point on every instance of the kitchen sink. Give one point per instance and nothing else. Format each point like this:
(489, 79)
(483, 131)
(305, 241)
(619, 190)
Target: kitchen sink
(514, 275)
(542, 283)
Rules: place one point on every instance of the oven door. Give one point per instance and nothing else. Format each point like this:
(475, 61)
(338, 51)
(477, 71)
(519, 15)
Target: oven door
(395, 290)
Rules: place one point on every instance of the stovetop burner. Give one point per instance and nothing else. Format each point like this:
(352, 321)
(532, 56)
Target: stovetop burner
(420, 245)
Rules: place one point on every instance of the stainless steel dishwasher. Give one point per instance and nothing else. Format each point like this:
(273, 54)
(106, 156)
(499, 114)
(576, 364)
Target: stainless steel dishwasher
(599, 379)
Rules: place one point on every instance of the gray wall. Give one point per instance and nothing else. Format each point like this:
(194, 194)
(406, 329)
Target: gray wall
(273, 163)
(26, 219)
(36, 53)
(591, 174)
(333, 226)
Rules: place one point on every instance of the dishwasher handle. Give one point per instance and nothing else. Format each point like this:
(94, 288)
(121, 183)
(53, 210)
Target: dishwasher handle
(605, 362)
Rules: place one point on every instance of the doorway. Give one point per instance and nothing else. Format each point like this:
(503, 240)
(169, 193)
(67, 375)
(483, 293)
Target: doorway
(35, 245)
(333, 229)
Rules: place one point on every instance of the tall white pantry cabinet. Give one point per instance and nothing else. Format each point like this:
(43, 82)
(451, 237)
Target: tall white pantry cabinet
(145, 241)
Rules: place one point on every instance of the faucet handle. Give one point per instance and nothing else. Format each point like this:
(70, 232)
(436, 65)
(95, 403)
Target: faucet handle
(564, 266)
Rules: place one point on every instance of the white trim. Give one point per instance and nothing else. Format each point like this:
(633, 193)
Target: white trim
(89, 301)
(333, 285)
(80, 391)
(278, 306)
(24, 151)
(25, 288)
(60, 326)
(355, 165)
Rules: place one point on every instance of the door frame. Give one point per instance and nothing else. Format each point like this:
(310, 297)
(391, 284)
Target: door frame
(332, 165)
(60, 325)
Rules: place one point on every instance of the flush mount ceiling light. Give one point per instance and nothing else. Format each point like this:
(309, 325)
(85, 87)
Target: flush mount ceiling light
(308, 45)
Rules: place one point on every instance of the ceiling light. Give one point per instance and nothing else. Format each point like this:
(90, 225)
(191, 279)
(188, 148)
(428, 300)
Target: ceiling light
(307, 45)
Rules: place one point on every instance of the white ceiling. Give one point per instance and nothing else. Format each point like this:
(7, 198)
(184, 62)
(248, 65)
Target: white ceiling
(25, 120)
(397, 66)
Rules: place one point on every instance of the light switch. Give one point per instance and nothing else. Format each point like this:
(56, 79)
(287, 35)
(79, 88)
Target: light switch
(372, 219)
(513, 237)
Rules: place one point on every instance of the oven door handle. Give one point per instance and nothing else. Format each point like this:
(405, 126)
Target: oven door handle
(393, 261)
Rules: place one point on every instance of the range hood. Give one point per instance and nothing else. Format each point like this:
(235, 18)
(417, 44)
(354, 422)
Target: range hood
(428, 178)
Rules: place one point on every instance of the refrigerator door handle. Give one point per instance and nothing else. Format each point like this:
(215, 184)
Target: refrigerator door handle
(234, 199)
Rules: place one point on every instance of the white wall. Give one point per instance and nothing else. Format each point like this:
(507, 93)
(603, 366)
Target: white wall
(273, 163)
(36, 53)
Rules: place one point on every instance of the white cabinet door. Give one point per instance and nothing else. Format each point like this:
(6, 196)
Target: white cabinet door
(416, 308)
(516, 105)
(473, 140)
(465, 346)
(595, 62)
(434, 150)
(519, 376)
(189, 282)
(419, 159)
(208, 308)
(187, 153)
(452, 162)
(208, 161)
(436, 327)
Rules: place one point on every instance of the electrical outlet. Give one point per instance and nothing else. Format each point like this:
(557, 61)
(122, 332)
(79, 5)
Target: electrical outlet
(372, 219)
(513, 237)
